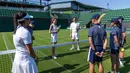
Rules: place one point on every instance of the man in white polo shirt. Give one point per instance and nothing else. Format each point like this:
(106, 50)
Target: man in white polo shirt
(74, 29)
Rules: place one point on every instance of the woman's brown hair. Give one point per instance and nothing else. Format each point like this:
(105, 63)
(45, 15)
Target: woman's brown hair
(53, 20)
(16, 17)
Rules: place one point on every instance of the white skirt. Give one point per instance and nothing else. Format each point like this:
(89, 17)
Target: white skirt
(54, 37)
(24, 64)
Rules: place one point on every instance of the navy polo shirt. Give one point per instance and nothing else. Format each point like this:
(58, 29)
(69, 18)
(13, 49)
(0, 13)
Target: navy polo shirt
(115, 32)
(98, 33)
(123, 28)
(30, 30)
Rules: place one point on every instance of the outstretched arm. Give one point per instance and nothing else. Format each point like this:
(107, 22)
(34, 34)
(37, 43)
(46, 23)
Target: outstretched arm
(105, 43)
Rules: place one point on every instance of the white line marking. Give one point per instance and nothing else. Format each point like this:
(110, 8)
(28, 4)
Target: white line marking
(7, 47)
(10, 45)
(52, 59)
(48, 37)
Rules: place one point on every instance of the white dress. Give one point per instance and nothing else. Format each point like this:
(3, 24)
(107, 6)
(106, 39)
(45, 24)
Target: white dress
(53, 34)
(23, 62)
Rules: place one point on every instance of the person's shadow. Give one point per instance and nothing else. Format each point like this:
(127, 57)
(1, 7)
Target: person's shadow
(83, 49)
(126, 67)
(60, 69)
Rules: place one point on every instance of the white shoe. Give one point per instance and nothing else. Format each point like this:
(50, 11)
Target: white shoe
(54, 57)
(78, 49)
(121, 64)
(72, 48)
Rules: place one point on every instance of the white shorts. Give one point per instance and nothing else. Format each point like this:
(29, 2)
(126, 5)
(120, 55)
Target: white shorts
(54, 37)
(75, 36)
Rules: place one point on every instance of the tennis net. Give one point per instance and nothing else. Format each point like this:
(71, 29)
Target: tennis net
(7, 56)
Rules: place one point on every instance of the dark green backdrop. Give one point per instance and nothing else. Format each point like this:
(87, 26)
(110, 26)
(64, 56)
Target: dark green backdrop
(41, 23)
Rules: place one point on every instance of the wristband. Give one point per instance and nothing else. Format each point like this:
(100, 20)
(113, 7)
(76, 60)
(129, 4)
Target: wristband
(94, 50)
(118, 47)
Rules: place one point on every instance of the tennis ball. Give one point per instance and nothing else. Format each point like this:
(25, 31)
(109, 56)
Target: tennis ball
(122, 49)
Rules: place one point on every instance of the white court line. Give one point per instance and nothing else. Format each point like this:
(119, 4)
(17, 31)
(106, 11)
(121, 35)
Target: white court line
(39, 52)
(52, 59)
(11, 46)
(6, 46)
(68, 38)
(42, 37)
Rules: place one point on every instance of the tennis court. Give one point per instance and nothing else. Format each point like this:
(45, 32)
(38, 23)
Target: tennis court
(68, 61)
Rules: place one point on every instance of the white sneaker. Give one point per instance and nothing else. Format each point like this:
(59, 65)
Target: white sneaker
(54, 57)
(72, 48)
(121, 64)
(78, 49)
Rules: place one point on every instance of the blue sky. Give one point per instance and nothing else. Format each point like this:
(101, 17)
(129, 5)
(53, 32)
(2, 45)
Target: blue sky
(113, 4)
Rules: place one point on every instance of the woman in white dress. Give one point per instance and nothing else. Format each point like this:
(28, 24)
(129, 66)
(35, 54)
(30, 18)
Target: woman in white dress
(25, 57)
(53, 31)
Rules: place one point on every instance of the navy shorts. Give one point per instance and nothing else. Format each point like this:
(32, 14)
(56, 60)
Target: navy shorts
(92, 57)
(113, 51)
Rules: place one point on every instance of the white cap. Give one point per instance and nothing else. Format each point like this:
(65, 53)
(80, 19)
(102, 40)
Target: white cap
(28, 16)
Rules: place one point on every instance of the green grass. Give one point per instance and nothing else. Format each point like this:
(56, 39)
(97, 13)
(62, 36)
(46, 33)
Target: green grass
(68, 61)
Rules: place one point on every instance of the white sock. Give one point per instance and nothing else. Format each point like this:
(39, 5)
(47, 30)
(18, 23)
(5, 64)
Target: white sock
(72, 46)
(77, 45)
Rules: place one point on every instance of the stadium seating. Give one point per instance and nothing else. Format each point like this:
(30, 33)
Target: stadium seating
(9, 13)
(85, 17)
(115, 13)
(36, 14)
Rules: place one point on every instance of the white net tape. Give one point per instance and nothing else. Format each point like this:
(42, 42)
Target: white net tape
(44, 46)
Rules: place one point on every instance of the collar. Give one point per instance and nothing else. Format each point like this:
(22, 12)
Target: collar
(18, 26)
(96, 24)
(114, 26)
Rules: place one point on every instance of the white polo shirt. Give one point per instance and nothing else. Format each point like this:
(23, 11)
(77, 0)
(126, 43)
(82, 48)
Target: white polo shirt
(20, 38)
(74, 26)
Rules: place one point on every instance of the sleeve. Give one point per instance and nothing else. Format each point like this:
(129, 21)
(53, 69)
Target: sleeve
(123, 28)
(71, 26)
(90, 32)
(26, 36)
(113, 32)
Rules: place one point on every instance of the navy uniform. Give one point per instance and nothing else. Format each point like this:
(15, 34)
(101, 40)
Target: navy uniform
(30, 29)
(98, 34)
(123, 30)
(115, 32)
